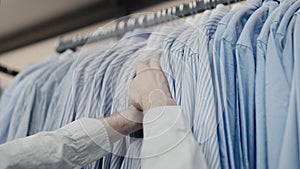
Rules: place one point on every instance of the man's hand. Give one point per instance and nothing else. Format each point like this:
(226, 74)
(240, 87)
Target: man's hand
(150, 87)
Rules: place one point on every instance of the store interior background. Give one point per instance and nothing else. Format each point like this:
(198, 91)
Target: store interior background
(31, 29)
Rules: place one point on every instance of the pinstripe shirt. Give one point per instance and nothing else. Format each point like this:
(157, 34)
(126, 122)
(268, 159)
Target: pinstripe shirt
(206, 117)
(130, 146)
(96, 78)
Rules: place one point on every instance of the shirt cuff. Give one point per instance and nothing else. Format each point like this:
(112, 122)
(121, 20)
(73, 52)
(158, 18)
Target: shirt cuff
(164, 129)
(163, 118)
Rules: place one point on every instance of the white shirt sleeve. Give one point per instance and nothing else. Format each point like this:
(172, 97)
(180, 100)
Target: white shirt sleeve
(72, 146)
(168, 141)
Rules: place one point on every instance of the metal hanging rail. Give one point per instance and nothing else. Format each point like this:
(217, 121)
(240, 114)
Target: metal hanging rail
(130, 23)
(8, 71)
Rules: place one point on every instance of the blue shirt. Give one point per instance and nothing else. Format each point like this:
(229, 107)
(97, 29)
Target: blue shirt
(277, 88)
(206, 117)
(132, 159)
(40, 97)
(21, 107)
(76, 84)
(289, 157)
(262, 42)
(10, 95)
(245, 62)
(228, 75)
(225, 142)
(49, 92)
(95, 82)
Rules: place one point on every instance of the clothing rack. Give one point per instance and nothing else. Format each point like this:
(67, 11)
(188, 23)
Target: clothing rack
(8, 71)
(129, 23)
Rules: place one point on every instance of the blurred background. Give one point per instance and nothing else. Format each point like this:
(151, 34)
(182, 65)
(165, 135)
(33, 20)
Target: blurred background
(31, 29)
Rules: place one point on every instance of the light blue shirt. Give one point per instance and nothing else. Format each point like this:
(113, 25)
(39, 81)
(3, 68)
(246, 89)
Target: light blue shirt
(28, 110)
(262, 42)
(41, 97)
(21, 107)
(289, 157)
(224, 133)
(49, 91)
(228, 77)
(245, 62)
(277, 88)
(11, 94)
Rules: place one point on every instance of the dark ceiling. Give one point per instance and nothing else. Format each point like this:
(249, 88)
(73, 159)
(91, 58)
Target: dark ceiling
(73, 17)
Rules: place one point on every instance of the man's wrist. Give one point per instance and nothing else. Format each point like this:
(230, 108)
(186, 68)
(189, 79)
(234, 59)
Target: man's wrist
(134, 116)
(123, 123)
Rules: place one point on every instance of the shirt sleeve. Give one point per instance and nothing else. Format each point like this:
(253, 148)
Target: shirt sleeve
(72, 146)
(168, 141)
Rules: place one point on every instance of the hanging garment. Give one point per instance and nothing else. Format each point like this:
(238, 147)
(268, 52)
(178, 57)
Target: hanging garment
(234, 73)
(245, 61)
(205, 117)
(11, 94)
(225, 139)
(289, 154)
(121, 101)
(277, 89)
(228, 75)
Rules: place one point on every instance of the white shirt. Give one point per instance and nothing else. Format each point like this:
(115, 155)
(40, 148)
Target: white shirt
(167, 143)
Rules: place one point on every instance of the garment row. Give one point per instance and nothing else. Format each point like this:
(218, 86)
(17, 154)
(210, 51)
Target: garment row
(233, 71)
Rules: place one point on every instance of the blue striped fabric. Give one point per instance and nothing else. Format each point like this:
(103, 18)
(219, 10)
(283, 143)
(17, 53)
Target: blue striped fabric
(11, 93)
(87, 81)
(204, 60)
(41, 96)
(120, 100)
(70, 105)
(45, 90)
(132, 157)
(109, 74)
(56, 105)
(109, 82)
(33, 100)
(80, 77)
(206, 117)
(21, 112)
(52, 88)
(92, 80)
(87, 103)
(106, 95)
(190, 55)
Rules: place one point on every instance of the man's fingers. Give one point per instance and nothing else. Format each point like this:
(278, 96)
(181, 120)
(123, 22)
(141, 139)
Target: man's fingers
(140, 66)
(155, 62)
